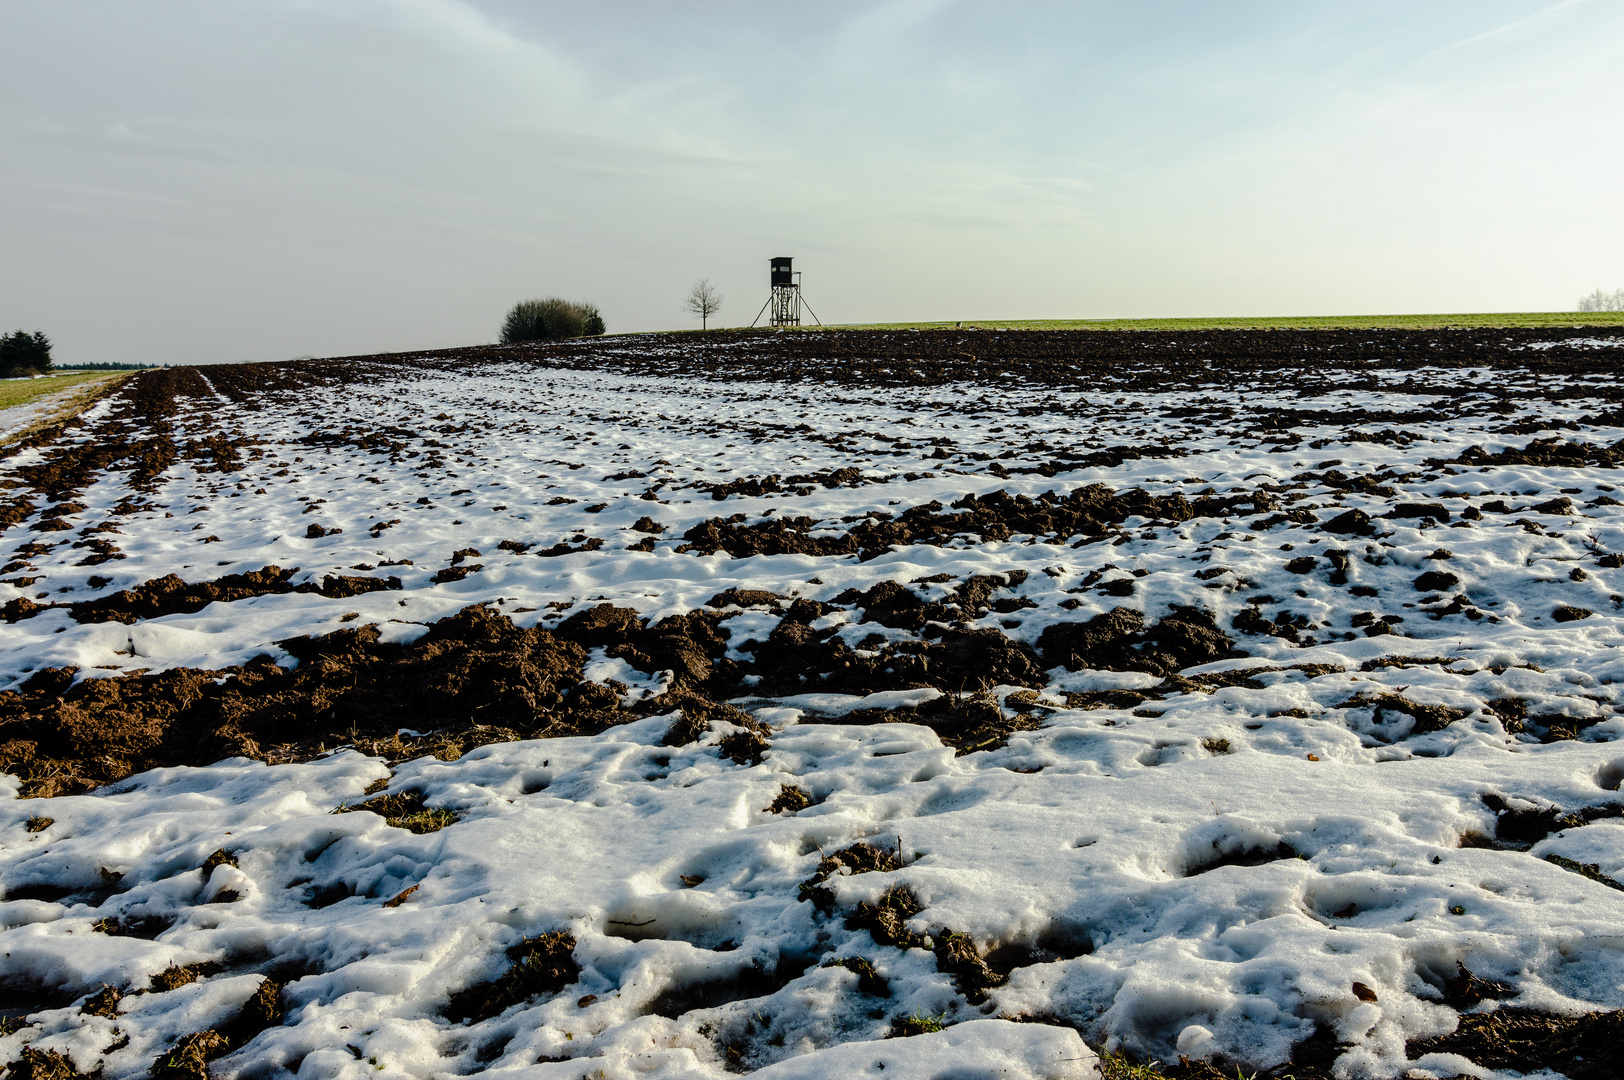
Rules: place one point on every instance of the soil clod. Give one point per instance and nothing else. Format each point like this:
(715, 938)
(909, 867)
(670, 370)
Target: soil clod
(544, 964)
(1524, 1040)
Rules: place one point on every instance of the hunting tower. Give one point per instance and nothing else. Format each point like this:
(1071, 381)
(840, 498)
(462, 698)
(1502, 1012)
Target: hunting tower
(785, 302)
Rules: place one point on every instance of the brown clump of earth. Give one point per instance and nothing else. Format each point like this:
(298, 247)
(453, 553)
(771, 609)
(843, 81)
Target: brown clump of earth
(169, 595)
(697, 716)
(1525, 1040)
(1092, 511)
(869, 980)
(189, 1057)
(1519, 825)
(1547, 453)
(957, 955)
(480, 676)
(544, 964)
(953, 656)
(36, 1064)
(886, 919)
(789, 800)
(1426, 718)
(1118, 640)
(405, 810)
(860, 858)
(176, 976)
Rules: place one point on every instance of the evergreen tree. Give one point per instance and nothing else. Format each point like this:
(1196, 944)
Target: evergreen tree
(22, 353)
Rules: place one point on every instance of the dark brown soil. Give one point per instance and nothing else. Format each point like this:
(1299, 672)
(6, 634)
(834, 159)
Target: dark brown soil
(957, 955)
(139, 436)
(1119, 641)
(886, 919)
(1342, 359)
(35, 1064)
(1426, 717)
(789, 800)
(405, 810)
(1580, 1047)
(539, 965)
(697, 716)
(860, 858)
(869, 981)
(1550, 452)
(482, 677)
(169, 595)
(1092, 511)
(1519, 826)
(189, 1057)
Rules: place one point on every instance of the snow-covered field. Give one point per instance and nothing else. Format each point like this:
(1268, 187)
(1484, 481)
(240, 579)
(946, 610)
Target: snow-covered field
(1248, 755)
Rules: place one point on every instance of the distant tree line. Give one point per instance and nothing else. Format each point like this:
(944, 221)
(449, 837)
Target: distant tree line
(1602, 300)
(113, 367)
(548, 319)
(22, 353)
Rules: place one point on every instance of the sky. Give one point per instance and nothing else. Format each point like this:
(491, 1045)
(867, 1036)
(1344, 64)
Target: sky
(189, 181)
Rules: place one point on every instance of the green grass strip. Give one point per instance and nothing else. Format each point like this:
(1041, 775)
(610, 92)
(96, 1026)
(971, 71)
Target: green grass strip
(1534, 319)
(14, 392)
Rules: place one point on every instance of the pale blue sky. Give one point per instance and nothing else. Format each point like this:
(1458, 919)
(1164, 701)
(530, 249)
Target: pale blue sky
(192, 181)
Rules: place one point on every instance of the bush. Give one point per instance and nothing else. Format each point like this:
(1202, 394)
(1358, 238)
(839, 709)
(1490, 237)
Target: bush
(544, 320)
(23, 353)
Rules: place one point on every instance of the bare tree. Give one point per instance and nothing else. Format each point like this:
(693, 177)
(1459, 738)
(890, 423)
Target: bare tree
(703, 301)
(1601, 300)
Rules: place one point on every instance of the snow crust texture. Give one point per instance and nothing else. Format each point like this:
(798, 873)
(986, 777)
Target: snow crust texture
(658, 708)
